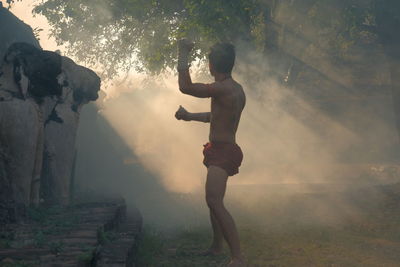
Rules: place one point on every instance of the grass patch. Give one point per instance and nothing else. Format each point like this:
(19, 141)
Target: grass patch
(294, 234)
(5, 243)
(106, 236)
(299, 245)
(13, 263)
(56, 247)
(183, 249)
(151, 247)
(87, 256)
(50, 222)
(6, 238)
(40, 239)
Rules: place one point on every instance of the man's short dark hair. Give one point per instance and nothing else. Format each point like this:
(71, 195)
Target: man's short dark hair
(222, 57)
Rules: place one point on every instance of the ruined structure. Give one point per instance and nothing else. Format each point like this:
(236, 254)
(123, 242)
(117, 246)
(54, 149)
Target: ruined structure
(80, 86)
(41, 95)
(13, 30)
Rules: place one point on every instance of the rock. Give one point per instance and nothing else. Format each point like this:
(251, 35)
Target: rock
(13, 30)
(41, 95)
(21, 118)
(82, 86)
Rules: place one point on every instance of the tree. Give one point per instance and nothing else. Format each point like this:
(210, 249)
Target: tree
(124, 34)
(142, 34)
(387, 27)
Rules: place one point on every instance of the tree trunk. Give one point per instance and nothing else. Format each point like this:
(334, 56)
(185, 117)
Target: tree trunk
(388, 25)
(394, 67)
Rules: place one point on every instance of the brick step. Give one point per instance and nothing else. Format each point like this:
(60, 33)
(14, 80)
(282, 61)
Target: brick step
(23, 254)
(121, 250)
(72, 245)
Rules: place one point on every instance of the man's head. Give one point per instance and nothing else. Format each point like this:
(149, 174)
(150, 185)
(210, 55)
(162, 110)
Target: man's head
(221, 58)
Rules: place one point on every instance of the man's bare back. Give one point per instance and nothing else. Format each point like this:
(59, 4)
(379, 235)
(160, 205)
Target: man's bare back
(226, 111)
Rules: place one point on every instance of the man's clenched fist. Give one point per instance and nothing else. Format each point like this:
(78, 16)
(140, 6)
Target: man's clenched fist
(182, 114)
(184, 45)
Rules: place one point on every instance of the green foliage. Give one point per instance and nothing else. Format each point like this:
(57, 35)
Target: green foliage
(11, 2)
(36, 32)
(56, 247)
(142, 34)
(106, 236)
(87, 256)
(117, 36)
(40, 239)
(151, 245)
(5, 243)
(6, 238)
(333, 26)
(51, 221)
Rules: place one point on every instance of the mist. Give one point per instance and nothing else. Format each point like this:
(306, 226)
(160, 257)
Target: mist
(292, 147)
(302, 145)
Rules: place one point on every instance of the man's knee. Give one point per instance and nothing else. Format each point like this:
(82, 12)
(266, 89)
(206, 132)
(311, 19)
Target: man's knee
(214, 202)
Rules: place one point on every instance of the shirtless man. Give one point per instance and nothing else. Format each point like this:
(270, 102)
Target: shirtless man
(222, 156)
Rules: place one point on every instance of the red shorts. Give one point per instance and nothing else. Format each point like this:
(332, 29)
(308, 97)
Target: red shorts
(227, 156)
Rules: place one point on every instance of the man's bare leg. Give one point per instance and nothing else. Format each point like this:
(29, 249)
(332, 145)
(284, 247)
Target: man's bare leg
(216, 246)
(215, 191)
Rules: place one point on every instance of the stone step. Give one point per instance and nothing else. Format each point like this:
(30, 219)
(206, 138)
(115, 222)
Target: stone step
(75, 244)
(121, 250)
(23, 254)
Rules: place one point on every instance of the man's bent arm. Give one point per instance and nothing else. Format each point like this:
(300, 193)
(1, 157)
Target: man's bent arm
(186, 85)
(184, 81)
(201, 90)
(202, 117)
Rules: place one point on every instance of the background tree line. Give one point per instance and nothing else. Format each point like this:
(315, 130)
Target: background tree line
(337, 39)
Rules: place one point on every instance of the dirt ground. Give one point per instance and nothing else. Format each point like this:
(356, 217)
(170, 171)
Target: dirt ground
(353, 228)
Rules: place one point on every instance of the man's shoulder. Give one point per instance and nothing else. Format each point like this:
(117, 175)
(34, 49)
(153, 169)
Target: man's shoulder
(226, 88)
(226, 84)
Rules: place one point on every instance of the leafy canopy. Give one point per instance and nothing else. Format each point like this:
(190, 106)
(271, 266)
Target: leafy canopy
(142, 34)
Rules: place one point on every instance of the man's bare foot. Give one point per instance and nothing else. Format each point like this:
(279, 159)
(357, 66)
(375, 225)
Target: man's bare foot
(211, 252)
(237, 263)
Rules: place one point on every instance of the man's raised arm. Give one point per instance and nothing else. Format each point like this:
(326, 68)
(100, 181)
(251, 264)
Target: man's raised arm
(186, 85)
